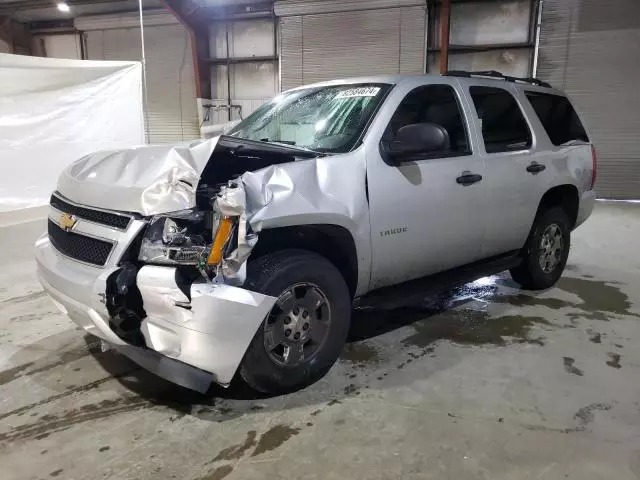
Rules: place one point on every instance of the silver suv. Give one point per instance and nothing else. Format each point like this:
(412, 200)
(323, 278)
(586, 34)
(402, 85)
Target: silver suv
(242, 254)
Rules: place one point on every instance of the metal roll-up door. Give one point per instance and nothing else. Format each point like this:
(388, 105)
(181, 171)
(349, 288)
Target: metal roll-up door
(324, 46)
(172, 109)
(589, 48)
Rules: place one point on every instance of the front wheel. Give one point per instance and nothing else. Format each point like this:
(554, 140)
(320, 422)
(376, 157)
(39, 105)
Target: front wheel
(546, 252)
(302, 336)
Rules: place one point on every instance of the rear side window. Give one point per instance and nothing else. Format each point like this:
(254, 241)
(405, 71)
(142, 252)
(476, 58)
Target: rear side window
(504, 128)
(558, 117)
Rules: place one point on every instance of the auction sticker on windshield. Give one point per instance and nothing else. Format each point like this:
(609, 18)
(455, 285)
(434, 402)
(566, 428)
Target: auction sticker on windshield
(359, 92)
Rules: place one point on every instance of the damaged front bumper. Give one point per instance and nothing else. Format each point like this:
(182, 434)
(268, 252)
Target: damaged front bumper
(188, 337)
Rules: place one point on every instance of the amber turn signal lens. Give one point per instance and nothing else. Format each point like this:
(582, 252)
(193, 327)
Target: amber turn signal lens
(222, 235)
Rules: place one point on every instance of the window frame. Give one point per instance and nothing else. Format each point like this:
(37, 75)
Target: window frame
(466, 124)
(527, 93)
(478, 120)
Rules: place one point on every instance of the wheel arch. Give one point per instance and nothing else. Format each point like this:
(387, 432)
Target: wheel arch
(333, 242)
(565, 196)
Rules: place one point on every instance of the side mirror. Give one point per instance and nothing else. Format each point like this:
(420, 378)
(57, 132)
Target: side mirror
(418, 138)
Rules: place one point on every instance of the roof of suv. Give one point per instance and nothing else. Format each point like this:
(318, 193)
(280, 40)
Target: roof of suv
(476, 78)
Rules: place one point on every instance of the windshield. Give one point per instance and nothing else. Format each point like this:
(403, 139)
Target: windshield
(324, 119)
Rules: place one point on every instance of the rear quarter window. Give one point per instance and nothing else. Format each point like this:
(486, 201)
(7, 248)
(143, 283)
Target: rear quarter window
(558, 117)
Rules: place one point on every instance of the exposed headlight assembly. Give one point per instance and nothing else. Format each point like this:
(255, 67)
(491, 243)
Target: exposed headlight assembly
(177, 238)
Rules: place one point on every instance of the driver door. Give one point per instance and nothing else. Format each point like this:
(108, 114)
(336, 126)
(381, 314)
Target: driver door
(423, 219)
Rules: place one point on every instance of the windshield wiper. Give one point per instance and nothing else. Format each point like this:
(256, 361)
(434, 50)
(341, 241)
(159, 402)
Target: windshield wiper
(289, 143)
(286, 142)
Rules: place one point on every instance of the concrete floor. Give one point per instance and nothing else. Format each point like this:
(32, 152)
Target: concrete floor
(485, 382)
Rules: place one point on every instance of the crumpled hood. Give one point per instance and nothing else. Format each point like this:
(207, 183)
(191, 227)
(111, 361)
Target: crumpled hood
(155, 179)
(147, 180)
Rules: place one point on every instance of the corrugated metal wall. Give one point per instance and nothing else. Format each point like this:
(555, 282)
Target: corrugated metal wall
(172, 109)
(591, 49)
(488, 26)
(325, 46)
(252, 82)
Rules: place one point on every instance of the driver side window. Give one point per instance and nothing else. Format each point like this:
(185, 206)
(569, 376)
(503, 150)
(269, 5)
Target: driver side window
(436, 104)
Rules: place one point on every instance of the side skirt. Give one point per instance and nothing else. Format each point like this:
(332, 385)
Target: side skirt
(414, 290)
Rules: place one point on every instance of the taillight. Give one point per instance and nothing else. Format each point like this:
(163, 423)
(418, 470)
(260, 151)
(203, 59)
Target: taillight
(594, 166)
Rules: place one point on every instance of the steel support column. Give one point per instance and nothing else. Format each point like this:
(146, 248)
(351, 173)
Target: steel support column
(445, 26)
(186, 13)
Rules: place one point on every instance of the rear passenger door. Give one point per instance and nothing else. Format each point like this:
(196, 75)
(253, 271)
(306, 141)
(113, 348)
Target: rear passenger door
(423, 219)
(507, 146)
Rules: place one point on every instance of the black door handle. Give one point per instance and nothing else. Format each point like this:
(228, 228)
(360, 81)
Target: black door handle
(468, 178)
(535, 167)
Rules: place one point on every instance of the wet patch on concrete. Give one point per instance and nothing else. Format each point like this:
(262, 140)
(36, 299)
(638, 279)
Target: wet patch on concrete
(614, 360)
(29, 317)
(71, 391)
(474, 327)
(585, 415)
(575, 316)
(351, 389)
(39, 366)
(11, 374)
(569, 366)
(530, 301)
(360, 353)
(234, 452)
(217, 474)
(273, 438)
(594, 337)
(25, 298)
(49, 424)
(597, 296)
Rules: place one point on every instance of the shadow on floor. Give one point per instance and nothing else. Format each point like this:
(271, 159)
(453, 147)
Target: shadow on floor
(366, 324)
(443, 316)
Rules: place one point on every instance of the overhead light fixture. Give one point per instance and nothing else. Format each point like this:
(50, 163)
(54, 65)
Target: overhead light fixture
(63, 7)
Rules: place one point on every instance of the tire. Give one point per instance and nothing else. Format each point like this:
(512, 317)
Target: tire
(530, 274)
(300, 278)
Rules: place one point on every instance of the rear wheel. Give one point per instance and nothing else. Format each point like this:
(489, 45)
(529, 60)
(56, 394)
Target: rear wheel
(546, 252)
(305, 331)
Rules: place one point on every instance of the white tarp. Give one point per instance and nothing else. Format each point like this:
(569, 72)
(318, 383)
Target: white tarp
(54, 111)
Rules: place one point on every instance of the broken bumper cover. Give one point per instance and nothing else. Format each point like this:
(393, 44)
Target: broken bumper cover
(211, 331)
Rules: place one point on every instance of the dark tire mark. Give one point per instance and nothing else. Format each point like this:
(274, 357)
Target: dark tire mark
(26, 298)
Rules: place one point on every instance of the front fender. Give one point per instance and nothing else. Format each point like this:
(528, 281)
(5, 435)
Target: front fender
(328, 191)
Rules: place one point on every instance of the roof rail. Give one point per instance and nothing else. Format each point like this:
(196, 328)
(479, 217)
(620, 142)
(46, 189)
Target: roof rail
(497, 76)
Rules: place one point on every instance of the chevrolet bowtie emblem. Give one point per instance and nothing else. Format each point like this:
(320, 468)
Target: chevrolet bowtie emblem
(67, 221)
